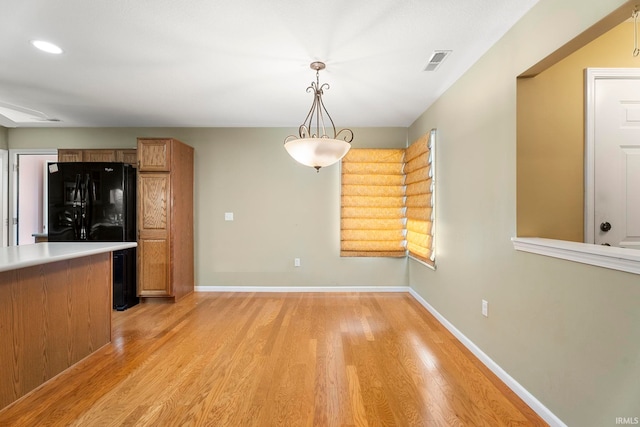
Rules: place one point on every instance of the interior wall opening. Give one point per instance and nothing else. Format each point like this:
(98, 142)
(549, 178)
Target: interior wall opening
(550, 128)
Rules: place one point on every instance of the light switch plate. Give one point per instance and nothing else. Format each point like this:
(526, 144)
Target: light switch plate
(228, 216)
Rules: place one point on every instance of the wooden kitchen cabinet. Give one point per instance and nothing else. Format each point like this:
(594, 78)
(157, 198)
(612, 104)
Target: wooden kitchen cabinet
(98, 155)
(154, 155)
(124, 155)
(129, 157)
(70, 155)
(153, 234)
(165, 218)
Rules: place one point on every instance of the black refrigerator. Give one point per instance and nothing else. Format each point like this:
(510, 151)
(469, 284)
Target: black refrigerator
(96, 202)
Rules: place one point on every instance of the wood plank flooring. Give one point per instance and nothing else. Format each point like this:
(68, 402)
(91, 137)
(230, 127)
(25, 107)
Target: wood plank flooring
(281, 359)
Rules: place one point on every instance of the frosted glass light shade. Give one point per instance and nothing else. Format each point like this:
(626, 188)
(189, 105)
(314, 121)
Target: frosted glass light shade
(317, 152)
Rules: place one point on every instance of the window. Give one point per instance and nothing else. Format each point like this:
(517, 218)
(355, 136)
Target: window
(387, 202)
(420, 199)
(372, 221)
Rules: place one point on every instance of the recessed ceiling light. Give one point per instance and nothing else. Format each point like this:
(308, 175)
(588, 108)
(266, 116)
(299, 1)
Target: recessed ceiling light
(46, 46)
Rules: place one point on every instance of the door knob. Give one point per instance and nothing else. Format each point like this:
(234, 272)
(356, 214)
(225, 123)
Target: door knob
(605, 226)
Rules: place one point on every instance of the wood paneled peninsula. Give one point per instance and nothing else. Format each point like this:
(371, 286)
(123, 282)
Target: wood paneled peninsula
(55, 310)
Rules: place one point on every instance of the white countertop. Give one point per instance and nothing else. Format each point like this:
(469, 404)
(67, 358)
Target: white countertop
(14, 257)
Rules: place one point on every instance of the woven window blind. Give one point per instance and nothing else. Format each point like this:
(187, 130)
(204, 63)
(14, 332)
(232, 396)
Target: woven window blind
(372, 203)
(419, 202)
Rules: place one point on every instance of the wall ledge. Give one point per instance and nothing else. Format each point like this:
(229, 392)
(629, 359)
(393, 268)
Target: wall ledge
(622, 259)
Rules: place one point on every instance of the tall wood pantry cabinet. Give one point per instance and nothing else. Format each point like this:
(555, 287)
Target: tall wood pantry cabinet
(165, 218)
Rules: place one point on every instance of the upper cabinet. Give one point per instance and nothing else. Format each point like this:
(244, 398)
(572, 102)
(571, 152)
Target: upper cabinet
(154, 155)
(125, 155)
(70, 155)
(99, 156)
(129, 157)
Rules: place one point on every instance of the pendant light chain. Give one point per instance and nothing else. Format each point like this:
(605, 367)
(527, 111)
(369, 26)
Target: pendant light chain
(634, 15)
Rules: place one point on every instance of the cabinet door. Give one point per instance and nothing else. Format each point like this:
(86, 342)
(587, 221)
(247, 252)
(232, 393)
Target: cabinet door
(154, 155)
(99, 156)
(153, 271)
(129, 157)
(153, 240)
(67, 155)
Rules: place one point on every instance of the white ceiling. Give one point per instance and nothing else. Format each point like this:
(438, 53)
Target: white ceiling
(213, 63)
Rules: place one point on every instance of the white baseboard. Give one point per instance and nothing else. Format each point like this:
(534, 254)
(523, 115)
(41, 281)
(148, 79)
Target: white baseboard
(302, 289)
(518, 389)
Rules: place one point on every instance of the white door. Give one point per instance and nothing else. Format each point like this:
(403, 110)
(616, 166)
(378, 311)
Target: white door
(616, 161)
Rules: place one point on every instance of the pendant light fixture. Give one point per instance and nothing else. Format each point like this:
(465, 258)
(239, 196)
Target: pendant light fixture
(313, 147)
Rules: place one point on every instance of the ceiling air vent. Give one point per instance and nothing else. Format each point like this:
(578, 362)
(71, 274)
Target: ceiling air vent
(437, 57)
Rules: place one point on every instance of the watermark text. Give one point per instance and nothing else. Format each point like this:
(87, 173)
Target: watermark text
(627, 420)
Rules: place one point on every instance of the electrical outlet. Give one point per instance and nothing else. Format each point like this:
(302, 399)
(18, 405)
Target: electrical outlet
(296, 262)
(228, 216)
(485, 308)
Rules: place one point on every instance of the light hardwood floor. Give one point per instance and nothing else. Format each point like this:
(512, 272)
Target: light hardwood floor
(296, 359)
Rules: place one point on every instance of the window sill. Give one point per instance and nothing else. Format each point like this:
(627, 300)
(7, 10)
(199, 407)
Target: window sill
(433, 267)
(621, 259)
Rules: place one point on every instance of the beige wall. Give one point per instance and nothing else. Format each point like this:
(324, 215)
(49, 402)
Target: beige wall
(568, 332)
(550, 154)
(3, 138)
(282, 210)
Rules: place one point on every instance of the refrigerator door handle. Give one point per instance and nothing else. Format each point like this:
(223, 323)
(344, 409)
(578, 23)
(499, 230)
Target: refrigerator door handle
(76, 190)
(90, 196)
(84, 186)
(77, 221)
(77, 210)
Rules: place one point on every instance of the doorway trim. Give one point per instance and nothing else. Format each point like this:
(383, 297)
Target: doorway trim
(13, 186)
(591, 76)
(4, 202)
